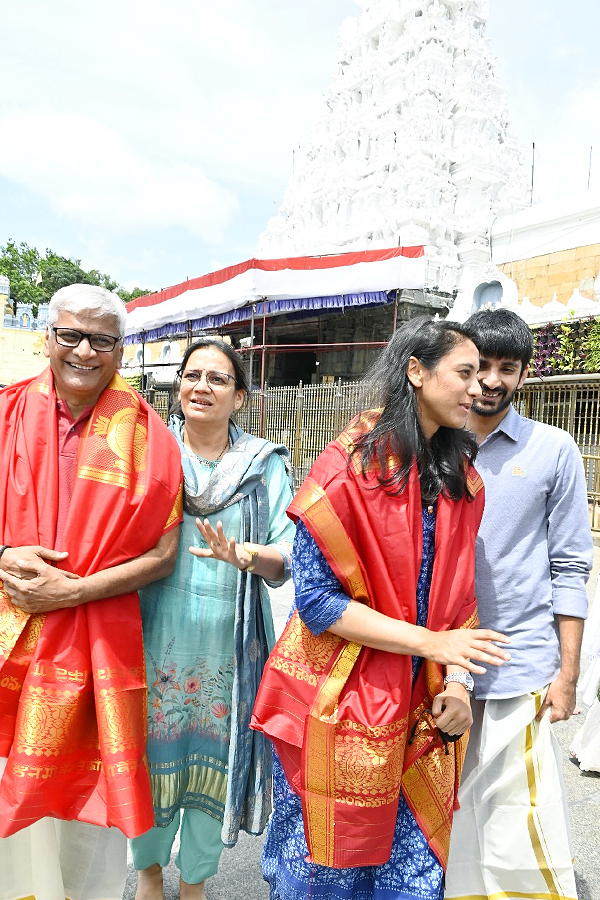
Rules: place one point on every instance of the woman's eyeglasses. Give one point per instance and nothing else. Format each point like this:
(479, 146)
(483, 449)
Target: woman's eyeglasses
(71, 337)
(213, 379)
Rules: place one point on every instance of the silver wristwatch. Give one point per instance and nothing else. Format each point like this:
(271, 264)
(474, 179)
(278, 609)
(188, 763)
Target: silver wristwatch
(464, 678)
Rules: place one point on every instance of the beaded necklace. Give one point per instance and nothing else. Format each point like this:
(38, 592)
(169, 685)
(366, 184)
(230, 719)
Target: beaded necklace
(210, 464)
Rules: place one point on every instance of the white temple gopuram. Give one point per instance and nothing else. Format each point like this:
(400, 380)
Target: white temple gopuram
(413, 145)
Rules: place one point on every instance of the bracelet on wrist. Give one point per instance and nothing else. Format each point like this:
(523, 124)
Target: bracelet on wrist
(252, 550)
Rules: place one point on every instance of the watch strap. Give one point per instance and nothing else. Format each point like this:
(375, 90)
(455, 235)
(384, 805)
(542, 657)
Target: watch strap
(464, 678)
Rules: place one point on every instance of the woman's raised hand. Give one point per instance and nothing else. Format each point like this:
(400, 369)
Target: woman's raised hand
(466, 647)
(219, 546)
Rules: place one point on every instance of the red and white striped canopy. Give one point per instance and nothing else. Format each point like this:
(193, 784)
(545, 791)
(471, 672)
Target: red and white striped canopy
(295, 278)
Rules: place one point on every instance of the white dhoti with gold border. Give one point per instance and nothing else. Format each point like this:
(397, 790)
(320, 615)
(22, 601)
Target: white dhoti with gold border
(511, 838)
(56, 860)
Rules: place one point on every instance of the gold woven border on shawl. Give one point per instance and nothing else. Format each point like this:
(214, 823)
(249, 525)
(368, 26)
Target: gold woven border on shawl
(474, 481)
(345, 762)
(177, 511)
(48, 719)
(13, 621)
(425, 781)
(115, 447)
(119, 722)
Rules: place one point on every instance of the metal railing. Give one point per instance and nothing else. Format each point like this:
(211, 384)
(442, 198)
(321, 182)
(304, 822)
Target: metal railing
(571, 403)
(306, 417)
(160, 400)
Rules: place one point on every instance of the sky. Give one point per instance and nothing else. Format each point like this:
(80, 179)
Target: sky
(154, 141)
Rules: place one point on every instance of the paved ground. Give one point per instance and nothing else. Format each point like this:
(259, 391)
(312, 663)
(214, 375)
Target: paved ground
(239, 877)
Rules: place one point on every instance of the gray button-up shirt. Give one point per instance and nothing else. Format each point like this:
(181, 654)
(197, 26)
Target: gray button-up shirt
(534, 548)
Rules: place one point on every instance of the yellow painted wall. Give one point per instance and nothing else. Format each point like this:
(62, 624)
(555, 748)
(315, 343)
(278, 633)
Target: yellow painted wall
(20, 351)
(560, 273)
(20, 354)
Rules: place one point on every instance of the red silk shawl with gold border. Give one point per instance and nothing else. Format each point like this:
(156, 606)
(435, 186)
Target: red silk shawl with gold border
(72, 682)
(339, 714)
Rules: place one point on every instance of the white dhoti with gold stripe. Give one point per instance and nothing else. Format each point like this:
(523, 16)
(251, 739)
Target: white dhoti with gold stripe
(511, 838)
(56, 860)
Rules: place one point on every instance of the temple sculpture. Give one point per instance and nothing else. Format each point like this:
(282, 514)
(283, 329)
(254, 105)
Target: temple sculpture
(413, 144)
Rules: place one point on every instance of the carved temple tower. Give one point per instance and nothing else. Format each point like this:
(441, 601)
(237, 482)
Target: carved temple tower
(413, 144)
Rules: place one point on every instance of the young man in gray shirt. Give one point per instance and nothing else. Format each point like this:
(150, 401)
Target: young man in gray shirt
(511, 836)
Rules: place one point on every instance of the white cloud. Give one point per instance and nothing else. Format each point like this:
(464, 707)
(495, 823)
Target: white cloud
(88, 173)
(153, 141)
(229, 33)
(584, 107)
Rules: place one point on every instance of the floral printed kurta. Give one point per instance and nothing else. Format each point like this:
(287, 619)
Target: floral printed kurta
(189, 642)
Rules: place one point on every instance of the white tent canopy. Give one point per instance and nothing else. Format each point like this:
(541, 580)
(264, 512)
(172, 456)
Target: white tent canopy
(278, 280)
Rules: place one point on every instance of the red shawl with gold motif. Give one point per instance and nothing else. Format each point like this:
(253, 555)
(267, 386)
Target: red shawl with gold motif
(72, 682)
(341, 715)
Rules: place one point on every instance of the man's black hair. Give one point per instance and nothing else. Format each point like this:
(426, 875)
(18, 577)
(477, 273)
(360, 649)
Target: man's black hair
(500, 334)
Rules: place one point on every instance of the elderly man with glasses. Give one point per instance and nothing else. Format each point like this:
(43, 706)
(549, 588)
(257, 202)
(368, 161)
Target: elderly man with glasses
(90, 507)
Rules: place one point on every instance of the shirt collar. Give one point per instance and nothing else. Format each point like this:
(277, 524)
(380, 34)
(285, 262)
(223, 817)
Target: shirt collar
(64, 410)
(510, 426)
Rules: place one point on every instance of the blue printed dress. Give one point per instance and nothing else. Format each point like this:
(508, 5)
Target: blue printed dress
(413, 872)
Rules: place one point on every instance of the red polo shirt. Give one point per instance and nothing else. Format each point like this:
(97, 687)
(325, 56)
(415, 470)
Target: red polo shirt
(69, 434)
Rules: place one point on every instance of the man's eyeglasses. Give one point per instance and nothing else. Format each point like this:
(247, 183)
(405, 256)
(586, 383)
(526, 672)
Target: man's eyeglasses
(71, 337)
(213, 379)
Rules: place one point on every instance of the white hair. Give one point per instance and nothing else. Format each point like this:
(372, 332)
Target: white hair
(89, 298)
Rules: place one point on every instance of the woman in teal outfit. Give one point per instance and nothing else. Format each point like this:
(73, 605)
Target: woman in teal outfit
(208, 629)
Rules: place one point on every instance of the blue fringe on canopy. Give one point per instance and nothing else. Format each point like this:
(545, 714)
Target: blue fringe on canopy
(299, 308)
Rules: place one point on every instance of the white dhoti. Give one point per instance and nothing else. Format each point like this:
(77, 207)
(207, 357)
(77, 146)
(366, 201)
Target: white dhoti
(586, 744)
(54, 860)
(511, 837)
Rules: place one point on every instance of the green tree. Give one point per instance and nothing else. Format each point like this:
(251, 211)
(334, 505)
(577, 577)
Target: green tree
(127, 296)
(21, 264)
(105, 281)
(57, 272)
(34, 278)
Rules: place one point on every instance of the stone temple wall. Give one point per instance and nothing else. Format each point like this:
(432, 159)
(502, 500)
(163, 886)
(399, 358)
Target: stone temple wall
(557, 275)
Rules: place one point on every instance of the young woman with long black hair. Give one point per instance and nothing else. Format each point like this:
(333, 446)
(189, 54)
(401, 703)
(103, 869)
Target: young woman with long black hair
(367, 690)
